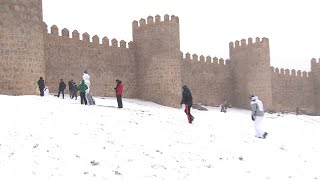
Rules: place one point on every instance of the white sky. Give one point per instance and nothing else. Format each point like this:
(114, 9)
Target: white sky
(56, 139)
(206, 27)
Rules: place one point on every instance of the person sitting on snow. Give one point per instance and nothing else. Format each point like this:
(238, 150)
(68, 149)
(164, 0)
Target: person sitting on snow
(224, 106)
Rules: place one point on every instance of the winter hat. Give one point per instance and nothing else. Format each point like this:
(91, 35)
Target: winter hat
(251, 96)
(85, 71)
(254, 98)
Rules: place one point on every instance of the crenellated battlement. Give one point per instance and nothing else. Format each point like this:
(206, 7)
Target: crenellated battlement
(195, 58)
(152, 56)
(95, 40)
(65, 33)
(289, 73)
(155, 21)
(244, 43)
(315, 71)
(45, 28)
(315, 65)
(54, 30)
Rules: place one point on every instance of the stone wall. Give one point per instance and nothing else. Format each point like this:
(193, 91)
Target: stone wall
(67, 58)
(250, 63)
(315, 74)
(151, 67)
(292, 89)
(157, 53)
(209, 80)
(21, 46)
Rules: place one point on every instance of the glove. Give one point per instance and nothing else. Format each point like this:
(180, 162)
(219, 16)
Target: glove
(253, 118)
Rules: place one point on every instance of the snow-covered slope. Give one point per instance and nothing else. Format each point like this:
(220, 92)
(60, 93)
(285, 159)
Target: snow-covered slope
(51, 138)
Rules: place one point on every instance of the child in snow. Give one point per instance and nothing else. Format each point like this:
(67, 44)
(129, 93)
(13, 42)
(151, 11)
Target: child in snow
(224, 106)
(257, 116)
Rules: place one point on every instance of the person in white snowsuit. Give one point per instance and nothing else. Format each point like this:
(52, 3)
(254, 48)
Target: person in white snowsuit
(257, 116)
(86, 79)
(46, 91)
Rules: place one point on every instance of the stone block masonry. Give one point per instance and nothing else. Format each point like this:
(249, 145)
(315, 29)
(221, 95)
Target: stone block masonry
(21, 46)
(151, 66)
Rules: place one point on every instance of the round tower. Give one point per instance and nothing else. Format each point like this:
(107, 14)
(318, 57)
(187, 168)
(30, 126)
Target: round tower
(251, 71)
(315, 75)
(21, 46)
(157, 52)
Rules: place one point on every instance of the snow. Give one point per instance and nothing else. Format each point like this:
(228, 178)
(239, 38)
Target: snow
(53, 138)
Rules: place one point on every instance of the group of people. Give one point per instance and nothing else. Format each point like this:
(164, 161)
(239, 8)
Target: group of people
(257, 111)
(187, 100)
(73, 89)
(83, 88)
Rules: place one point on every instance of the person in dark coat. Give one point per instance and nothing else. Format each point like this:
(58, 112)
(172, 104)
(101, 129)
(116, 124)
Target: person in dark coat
(62, 87)
(74, 91)
(70, 85)
(187, 101)
(119, 91)
(82, 88)
(41, 86)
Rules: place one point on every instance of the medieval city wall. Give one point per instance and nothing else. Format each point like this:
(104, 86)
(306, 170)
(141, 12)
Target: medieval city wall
(67, 57)
(156, 42)
(315, 74)
(209, 79)
(292, 89)
(21, 46)
(250, 61)
(151, 67)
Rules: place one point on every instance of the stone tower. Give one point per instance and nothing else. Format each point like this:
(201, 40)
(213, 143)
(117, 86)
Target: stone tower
(21, 46)
(157, 52)
(251, 71)
(315, 74)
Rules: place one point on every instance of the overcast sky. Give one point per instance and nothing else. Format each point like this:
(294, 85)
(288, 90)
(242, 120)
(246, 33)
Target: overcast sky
(206, 26)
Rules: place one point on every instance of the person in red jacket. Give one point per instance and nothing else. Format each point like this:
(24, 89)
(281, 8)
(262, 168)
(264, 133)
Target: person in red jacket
(119, 91)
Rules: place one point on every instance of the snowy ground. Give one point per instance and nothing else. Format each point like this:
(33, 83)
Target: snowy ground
(52, 139)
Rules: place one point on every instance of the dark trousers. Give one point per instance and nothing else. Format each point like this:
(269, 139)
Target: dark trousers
(187, 111)
(61, 91)
(83, 98)
(223, 109)
(71, 93)
(119, 100)
(74, 94)
(41, 92)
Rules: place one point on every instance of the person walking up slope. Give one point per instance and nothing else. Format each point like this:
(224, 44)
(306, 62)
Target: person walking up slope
(119, 91)
(187, 101)
(257, 116)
